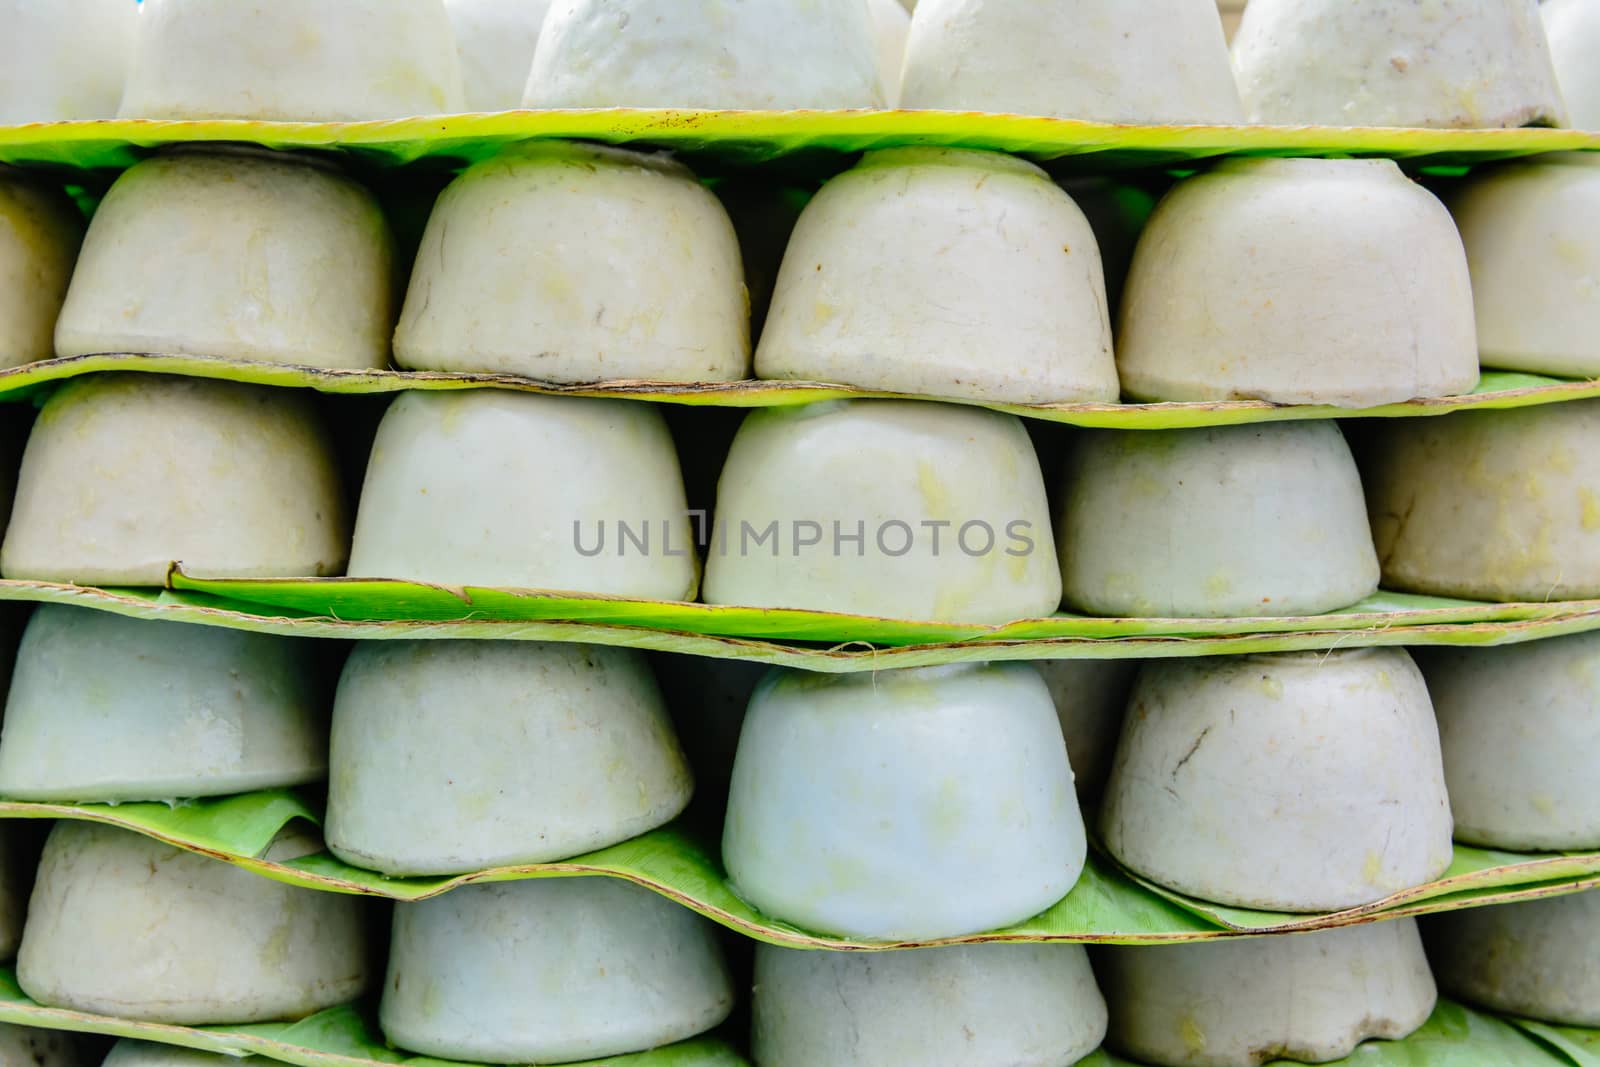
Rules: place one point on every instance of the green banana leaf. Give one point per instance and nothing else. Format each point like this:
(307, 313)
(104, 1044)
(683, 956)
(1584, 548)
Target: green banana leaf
(1107, 906)
(341, 1037)
(1581, 1047)
(1474, 878)
(1497, 390)
(1454, 1036)
(338, 1037)
(382, 599)
(743, 137)
(855, 655)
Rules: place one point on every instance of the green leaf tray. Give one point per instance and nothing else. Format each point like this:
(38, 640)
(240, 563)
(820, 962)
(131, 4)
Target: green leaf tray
(746, 137)
(1108, 906)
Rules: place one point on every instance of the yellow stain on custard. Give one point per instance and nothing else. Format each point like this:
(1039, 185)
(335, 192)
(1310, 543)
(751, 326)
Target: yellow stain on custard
(432, 1001)
(275, 952)
(1589, 508)
(1017, 566)
(949, 811)
(935, 494)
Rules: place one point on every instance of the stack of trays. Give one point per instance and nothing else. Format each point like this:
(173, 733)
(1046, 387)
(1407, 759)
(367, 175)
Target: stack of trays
(998, 851)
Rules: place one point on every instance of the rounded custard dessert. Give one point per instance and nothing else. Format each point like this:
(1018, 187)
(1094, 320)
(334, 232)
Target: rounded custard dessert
(1533, 959)
(1090, 698)
(1299, 281)
(125, 474)
(1490, 505)
(40, 230)
(778, 54)
(1307, 997)
(131, 1053)
(550, 971)
(495, 40)
(1020, 1005)
(578, 263)
(904, 509)
(1532, 233)
(1155, 62)
(862, 804)
(535, 753)
(891, 25)
(123, 925)
(764, 214)
(707, 699)
(235, 252)
(491, 488)
(1262, 520)
(1300, 782)
(943, 272)
(62, 60)
(293, 61)
(16, 880)
(1446, 63)
(1573, 27)
(104, 708)
(1520, 741)
(27, 1046)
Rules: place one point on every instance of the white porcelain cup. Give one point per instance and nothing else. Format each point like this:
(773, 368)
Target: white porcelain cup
(1300, 782)
(536, 753)
(236, 252)
(1020, 1005)
(1299, 281)
(1311, 997)
(106, 709)
(1226, 521)
(778, 54)
(62, 60)
(1532, 233)
(293, 61)
(578, 263)
(124, 925)
(903, 509)
(1532, 959)
(1446, 63)
(1156, 62)
(493, 488)
(125, 474)
(943, 272)
(552, 971)
(862, 804)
